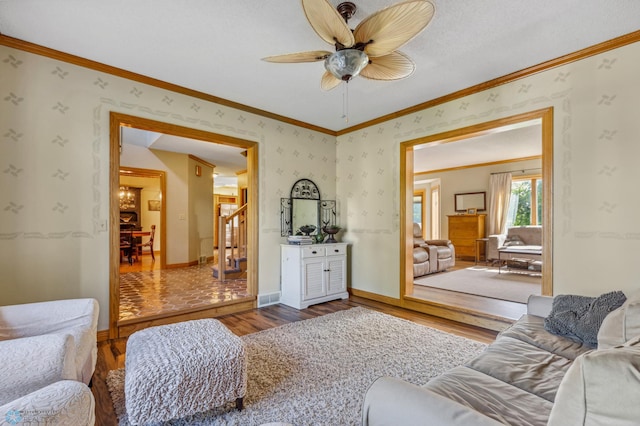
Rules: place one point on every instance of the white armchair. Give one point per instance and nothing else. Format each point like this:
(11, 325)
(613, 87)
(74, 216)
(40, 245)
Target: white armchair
(48, 354)
(66, 402)
(77, 318)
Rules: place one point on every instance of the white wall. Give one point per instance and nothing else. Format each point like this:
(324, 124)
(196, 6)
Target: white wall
(150, 218)
(596, 235)
(226, 190)
(200, 211)
(54, 195)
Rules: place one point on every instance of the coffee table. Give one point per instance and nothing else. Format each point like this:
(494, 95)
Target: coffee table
(516, 250)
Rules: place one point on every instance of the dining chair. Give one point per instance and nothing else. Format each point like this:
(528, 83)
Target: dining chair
(125, 247)
(147, 244)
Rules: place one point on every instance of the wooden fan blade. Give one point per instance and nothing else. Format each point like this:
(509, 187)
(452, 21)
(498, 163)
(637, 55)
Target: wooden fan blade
(390, 28)
(329, 81)
(327, 22)
(393, 66)
(311, 56)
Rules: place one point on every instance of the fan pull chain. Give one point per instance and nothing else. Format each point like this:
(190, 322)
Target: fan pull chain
(345, 102)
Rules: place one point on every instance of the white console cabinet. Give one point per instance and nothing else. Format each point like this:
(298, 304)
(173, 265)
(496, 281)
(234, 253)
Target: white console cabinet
(313, 274)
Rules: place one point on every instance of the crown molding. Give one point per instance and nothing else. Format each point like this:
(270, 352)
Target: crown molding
(87, 63)
(571, 57)
(119, 72)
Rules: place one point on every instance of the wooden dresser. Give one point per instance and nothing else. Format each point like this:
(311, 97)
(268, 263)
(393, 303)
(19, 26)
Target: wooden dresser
(464, 230)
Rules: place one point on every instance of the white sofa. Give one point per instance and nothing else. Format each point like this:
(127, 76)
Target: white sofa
(48, 354)
(528, 376)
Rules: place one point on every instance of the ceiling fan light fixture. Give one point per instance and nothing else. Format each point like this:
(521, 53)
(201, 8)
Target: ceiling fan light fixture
(346, 63)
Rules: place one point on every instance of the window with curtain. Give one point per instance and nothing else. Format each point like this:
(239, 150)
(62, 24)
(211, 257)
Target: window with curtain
(435, 212)
(525, 206)
(417, 209)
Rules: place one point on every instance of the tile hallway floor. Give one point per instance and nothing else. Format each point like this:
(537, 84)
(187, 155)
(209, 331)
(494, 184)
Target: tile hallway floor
(155, 292)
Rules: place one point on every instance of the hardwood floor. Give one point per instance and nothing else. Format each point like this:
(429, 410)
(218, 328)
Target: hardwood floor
(111, 353)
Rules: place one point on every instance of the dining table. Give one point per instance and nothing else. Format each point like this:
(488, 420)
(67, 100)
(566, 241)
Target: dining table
(129, 236)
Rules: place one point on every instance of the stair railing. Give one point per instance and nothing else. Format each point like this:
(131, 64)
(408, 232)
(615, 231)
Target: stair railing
(237, 237)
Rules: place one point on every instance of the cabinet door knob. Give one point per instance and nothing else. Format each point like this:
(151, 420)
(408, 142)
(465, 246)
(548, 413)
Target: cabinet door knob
(314, 252)
(336, 250)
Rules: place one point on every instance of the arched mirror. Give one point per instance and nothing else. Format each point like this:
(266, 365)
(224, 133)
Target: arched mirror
(304, 212)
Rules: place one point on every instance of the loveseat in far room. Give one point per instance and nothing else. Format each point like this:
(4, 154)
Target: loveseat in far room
(524, 238)
(530, 376)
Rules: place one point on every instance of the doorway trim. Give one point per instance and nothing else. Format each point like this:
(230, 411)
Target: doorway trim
(116, 120)
(406, 193)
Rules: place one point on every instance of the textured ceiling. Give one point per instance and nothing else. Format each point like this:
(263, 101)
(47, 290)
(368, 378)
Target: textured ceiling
(215, 46)
(227, 159)
(506, 143)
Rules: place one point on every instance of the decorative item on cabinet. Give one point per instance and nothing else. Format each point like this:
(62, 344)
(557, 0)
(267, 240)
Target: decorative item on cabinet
(464, 230)
(313, 274)
(307, 229)
(332, 230)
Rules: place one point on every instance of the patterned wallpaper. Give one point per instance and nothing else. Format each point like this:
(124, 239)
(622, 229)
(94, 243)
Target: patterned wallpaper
(54, 162)
(54, 140)
(595, 150)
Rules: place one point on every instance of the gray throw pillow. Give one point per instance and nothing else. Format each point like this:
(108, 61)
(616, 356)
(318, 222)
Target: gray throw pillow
(579, 317)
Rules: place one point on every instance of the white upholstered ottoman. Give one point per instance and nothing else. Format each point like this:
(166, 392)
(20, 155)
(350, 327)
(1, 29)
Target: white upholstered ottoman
(177, 370)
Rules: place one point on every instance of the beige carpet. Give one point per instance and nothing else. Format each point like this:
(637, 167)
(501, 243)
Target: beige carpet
(316, 372)
(485, 281)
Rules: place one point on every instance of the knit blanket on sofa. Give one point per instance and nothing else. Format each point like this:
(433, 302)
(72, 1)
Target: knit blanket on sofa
(579, 317)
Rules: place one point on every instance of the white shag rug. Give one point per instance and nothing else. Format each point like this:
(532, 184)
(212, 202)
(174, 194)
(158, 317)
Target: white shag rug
(316, 372)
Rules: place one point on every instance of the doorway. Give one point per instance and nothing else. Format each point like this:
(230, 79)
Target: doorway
(140, 196)
(451, 307)
(250, 150)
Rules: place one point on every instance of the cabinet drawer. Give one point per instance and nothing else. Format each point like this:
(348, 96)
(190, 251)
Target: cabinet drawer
(312, 251)
(336, 250)
(465, 251)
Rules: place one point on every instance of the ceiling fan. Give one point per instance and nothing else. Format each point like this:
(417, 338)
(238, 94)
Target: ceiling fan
(371, 49)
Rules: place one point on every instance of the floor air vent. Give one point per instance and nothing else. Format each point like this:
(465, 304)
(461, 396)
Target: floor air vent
(268, 299)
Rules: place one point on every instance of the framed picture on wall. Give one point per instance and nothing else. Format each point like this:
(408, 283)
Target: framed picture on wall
(154, 205)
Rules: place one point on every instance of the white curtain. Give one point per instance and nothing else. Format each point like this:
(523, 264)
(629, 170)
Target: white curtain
(499, 195)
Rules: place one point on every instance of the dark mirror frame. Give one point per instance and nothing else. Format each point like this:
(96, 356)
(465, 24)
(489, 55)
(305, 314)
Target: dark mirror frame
(460, 205)
(305, 189)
